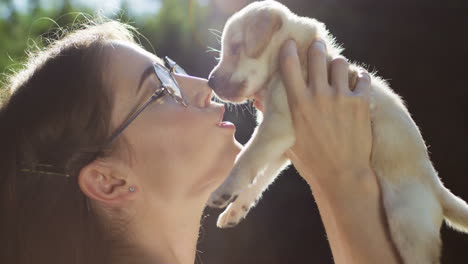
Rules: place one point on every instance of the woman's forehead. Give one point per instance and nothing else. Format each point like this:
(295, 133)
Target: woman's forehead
(126, 63)
(128, 56)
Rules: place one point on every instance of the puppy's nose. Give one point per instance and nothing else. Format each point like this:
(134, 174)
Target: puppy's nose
(216, 81)
(211, 81)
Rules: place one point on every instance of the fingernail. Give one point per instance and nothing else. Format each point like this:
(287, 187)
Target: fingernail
(364, 74)
(319, 44)
(291, 47)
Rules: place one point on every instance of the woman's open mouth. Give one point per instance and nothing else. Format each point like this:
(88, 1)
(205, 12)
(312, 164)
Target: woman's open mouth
(224, 124)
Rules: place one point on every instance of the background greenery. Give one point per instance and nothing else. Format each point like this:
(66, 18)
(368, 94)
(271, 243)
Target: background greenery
(179, 28)
(420, 46)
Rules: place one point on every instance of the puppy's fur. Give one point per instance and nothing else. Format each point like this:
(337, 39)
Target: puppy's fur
(415, 200)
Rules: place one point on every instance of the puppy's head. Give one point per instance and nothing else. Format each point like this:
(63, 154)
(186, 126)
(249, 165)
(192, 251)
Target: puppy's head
(250, 44)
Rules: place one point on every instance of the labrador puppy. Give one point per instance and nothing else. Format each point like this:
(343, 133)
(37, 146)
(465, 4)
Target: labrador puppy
(414, 198)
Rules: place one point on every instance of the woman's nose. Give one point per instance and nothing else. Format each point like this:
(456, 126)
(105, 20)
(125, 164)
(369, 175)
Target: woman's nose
(195, 91)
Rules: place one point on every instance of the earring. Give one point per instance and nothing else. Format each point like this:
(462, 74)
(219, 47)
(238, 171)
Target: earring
(131, 189)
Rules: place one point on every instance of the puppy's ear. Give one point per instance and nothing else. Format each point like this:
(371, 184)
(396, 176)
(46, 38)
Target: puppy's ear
(259, 30)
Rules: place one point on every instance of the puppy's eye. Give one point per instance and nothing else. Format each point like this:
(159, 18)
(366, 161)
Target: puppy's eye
(234, 49)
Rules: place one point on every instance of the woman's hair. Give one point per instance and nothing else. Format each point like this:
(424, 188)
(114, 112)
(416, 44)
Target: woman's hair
(54, 123)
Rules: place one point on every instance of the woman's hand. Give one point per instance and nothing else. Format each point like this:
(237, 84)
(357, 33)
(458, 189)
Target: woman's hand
(332, 124)
(332, 153)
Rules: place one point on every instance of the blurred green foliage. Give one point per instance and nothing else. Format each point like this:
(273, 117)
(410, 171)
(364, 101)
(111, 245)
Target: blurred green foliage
(180, 29)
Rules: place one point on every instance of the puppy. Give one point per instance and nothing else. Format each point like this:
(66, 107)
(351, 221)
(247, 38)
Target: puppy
(414, 198)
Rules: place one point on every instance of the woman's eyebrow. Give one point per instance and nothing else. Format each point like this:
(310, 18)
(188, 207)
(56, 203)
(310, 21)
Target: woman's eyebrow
(146, 73)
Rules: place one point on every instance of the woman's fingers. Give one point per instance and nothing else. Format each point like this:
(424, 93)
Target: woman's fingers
(296, 87)
(363, 84)
(292, 73)
(339, 75)
(318, 73)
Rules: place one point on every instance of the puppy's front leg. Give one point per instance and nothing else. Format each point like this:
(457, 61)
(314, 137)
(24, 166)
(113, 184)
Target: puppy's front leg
(238, 209)
(271, 139)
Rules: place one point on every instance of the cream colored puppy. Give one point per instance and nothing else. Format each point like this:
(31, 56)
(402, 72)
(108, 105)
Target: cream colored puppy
(415, 200)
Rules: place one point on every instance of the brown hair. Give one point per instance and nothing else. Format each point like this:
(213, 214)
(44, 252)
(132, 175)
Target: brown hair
(53, 124)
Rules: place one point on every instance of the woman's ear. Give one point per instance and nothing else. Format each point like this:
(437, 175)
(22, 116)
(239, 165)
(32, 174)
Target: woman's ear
(259, 30)
(103, 182)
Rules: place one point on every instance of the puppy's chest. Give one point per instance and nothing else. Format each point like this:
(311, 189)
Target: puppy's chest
(275, 97)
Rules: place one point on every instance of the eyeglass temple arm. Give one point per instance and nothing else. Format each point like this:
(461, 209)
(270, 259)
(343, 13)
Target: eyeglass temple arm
(155, 96)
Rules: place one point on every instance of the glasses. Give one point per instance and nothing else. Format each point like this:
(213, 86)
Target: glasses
(169, 86)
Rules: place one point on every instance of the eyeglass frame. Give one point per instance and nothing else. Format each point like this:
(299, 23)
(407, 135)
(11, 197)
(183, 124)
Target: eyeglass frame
(158, 93)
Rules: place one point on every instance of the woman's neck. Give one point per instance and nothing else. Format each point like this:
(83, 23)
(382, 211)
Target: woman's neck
(161, 233)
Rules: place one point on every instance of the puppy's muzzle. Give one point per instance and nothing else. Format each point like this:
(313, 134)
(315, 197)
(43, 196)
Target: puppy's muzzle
(224, 88)
(217, 81)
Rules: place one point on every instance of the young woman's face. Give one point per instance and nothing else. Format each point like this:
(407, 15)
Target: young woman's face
(174, 151)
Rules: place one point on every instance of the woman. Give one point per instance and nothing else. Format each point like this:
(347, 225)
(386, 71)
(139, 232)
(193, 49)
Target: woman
(105, 158)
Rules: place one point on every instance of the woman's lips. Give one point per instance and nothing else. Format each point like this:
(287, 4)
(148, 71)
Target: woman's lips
(224, 124)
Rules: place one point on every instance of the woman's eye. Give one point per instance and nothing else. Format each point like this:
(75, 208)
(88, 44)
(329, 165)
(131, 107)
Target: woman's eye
(235, 48)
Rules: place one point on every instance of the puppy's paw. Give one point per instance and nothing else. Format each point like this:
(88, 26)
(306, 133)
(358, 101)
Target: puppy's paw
(233, 214)
(227, 193)
(221, 198)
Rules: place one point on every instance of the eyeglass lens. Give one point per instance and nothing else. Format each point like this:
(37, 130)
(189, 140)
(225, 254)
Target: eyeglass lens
(168, 81)
(173, 64)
